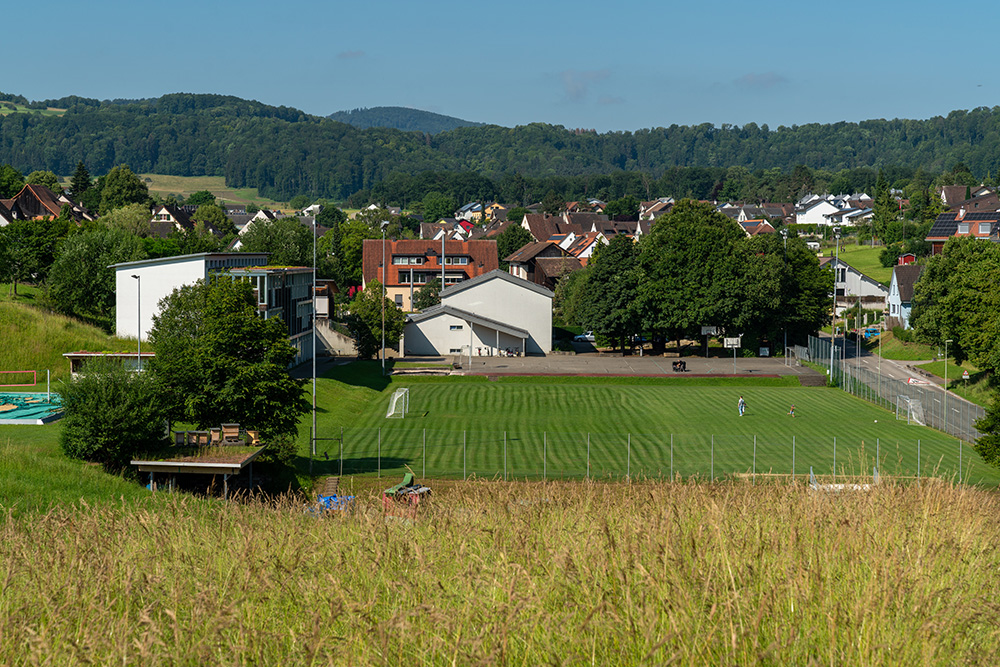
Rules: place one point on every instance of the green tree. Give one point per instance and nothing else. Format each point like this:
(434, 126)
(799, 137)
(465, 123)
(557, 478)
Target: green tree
(288, 240)
(213, 217)
(201, 197)
(686, 260)
(365, 320)
(30, 249)
(81, 284)
(428, 295)
(299, 202)
(112, 414)
(437, 205)
(252, 208)
(11, 181)
(988, 443)
(221, 362)
(122, 187)
(510, 240)
(516, 214)
(553, 204)
(354, 233)
(80, 182)
(626, 207)
(611, 306)
(134, 218)
(44, 178)
(330, 216)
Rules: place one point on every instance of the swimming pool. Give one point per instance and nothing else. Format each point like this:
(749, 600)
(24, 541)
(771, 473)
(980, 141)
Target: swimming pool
(29, 408)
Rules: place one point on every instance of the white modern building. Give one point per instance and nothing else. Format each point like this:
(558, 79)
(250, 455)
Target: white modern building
(281, 291)
(851, 286)
(484, 316)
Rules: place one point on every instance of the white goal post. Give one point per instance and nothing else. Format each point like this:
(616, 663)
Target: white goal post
(912, 408)
(399, 404)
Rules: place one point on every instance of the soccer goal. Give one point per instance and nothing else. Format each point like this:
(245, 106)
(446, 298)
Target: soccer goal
(399, 404)
(910, 409)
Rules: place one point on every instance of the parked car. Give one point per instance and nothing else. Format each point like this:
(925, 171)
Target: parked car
(585, 337)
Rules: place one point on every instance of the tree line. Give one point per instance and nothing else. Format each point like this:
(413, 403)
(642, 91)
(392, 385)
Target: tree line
(284, 152)
(697, 269)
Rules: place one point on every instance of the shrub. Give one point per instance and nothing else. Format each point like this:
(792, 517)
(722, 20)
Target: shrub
(902, 335)
(112, 413)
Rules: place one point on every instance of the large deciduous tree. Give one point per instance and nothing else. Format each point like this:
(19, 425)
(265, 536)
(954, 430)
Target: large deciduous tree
(611, 305)
(287, 239)
(428, 295)
(11, 181)
(112, 414)
(200, 197)
(438, 205)
(365, 320)
(81, 284)
(222, 362)
(46, 179)
(510, 240)
(122, 187)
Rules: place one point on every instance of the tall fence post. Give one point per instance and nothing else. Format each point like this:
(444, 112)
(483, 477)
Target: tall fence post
(713, 458)
(671, 457)
(588, 456)
(753, 478)
(628, 458)
(424, 472)
(545, 443)
(959, 460)
(918, 459)
(465, 474)
(834, 459)
(505, 456)
(379, 451)
(793, 458)
(341, 451)
(878, 463)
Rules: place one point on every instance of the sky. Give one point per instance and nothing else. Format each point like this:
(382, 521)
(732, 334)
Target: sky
(609, 66)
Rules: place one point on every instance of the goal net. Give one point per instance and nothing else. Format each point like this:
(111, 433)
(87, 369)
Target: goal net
(910, 409)
(399, 404)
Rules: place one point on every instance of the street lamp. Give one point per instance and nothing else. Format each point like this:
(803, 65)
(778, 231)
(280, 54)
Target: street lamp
(833, 319)
(784, 238)
(946, 385)
(138, 323)
(313, 443)
(385, 223)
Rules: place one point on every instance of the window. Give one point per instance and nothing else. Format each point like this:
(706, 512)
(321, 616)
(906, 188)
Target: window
(455, 350)
(406, 261)
(963, 228)
(455, 327)
(984, 228)
(841, 275)
(459, 261)
(399, 300)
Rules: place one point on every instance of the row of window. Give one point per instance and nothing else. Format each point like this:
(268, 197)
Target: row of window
(423, 278)
(984, 228)
(398, 260)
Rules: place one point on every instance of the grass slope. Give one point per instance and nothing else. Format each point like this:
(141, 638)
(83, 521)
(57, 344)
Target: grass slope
(186, 185)
(34, 339)
(866, 260)
(630, 424)
(514, 574)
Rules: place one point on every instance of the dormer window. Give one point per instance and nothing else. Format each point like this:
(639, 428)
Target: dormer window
(963, 228)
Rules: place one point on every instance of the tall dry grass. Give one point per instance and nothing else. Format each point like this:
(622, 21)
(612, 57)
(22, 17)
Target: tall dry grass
(489, 573)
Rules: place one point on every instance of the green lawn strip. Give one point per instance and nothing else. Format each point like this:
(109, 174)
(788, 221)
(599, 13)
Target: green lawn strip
(976, 389)
(458, 428)
(35, 475)
(897, 350)
(866, 260)
(419, 364)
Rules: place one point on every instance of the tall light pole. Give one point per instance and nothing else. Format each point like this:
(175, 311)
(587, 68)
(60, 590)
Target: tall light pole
(313, 443)
(833, 320)
(946, 385)
(784, 238)
(385, 223)
(138, 323)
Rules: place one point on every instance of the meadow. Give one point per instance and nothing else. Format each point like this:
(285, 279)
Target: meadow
(530, 428)
(185, 186)
(493, 573)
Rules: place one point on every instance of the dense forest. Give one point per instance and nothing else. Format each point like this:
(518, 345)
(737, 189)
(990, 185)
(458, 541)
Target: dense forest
(284, 152)
(401, 118)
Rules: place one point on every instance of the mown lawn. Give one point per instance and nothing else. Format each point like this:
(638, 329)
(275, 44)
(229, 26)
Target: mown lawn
(866, 260)
(186, 185)
(464, 426)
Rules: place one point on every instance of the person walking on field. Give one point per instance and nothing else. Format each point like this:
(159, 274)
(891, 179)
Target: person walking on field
(742, 406)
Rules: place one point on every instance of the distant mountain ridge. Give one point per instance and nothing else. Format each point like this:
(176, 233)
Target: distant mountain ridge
(401, 118)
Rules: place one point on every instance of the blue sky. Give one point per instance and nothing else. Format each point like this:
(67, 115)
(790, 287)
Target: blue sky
(619, 65)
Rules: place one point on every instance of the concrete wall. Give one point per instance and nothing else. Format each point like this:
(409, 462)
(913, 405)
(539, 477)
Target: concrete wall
(156, 281)
(446, 334)
(512, 304)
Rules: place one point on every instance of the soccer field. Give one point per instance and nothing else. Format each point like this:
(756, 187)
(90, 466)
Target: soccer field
(535, 427)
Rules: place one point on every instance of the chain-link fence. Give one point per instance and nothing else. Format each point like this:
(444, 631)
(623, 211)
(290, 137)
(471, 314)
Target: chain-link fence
(533, 455)
(921, 403)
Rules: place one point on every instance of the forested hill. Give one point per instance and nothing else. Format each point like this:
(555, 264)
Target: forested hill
(401, 118)
(284, 152)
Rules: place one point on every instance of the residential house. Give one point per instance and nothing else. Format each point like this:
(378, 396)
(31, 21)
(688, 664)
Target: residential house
(987, 201)
(412, 263)
(952, 196)
(484, 316)
(755, 227)
(584, 246)
(851, 286)
(542, 263)
(980, 225)
(34, 202)
(470, 212)
(849, 217)
(900, 299)
(815, 212)
(650, 210)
